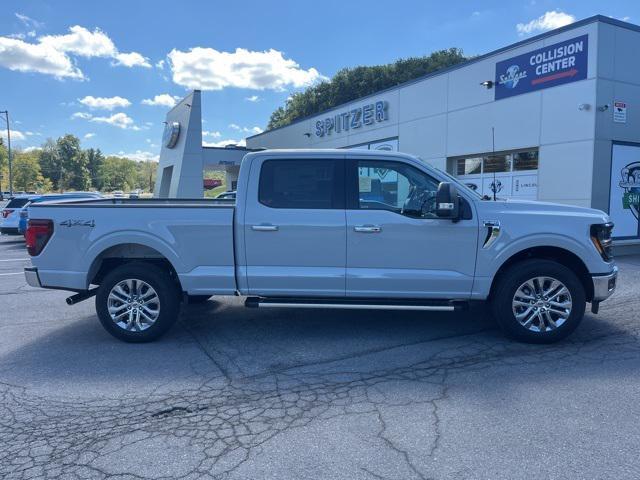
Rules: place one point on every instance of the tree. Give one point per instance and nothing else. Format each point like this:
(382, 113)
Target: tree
(118, 174)
(352, 83)
(4, 167)
(95, 159)
(50, 163)
(74, 162)
(146, 175)
(26, 173)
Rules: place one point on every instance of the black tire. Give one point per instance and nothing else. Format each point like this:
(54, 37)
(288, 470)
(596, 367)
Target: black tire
(195, 299)
(516, 276)
(167, 294)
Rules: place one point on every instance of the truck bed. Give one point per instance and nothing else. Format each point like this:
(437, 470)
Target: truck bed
(143, 202)
(194, 235)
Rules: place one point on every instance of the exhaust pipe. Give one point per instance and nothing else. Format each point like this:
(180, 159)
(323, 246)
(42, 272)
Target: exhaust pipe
(81, 296)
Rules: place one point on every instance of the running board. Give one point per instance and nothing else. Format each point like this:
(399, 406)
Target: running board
(356, 304)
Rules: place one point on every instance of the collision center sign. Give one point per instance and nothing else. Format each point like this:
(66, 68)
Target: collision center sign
(546, 67)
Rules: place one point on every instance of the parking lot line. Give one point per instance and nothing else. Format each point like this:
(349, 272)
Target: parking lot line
(15, 259)
(11, 273)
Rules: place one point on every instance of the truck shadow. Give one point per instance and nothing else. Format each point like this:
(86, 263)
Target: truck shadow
(225, 341)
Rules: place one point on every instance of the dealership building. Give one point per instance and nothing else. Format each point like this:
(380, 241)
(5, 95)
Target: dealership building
(554, 117)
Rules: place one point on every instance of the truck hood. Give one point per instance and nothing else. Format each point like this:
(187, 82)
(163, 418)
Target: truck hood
(529, 207)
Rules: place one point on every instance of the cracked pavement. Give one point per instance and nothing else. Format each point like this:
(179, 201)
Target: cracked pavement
(233, 393)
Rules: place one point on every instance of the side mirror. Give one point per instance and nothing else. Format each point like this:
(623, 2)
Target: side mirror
(447, 202)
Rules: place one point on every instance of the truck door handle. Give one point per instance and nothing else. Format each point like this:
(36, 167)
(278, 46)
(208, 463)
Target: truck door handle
(264, 228)
(367, 229)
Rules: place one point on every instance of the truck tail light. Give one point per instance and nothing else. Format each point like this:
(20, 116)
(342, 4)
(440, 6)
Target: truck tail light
(601, 238)
(38, 234)
(6, 212)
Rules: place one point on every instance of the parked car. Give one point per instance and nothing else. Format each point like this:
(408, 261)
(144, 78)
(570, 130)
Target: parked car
(210, 183)
(52, 197)
(302, 234)
(230, 195)
(135, 193)
(117, 194)
(11, 214)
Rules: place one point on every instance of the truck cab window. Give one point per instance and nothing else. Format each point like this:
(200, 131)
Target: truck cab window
(397, 187)
(302, 184)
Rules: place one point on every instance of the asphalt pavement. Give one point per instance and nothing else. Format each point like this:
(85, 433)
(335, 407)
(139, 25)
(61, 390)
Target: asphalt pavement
(234, 393)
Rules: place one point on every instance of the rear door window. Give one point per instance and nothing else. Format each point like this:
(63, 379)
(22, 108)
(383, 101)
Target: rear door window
(302, 184)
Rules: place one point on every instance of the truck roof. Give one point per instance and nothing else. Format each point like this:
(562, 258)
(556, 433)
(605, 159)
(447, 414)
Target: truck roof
(332, 152)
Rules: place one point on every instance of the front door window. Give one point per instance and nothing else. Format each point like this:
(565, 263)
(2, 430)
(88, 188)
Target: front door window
(396, 187)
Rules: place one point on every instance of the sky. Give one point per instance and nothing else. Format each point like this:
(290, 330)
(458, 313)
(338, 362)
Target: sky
(109, 71)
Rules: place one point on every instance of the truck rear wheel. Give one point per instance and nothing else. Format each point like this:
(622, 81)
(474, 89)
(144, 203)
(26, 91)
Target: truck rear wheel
(538, 301)
(137, 302)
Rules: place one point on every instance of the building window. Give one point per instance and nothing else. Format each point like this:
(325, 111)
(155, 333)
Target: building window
(469, 166)
(505, 174)
(497, 163)
(525, 160)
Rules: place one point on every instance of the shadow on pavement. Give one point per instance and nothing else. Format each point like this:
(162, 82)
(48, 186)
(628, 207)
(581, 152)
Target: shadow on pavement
(243, 343)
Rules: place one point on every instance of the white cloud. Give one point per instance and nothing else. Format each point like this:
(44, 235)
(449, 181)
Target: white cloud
(16, 135)
(21, 56)
(52, 54)
(160, 64)
(83, 115)
(251, 130)
(82, 42)
(550, 20)
(224, 143)
(132, 59)
(120, 120)
(32, 149)
(212, 134)
(163, 100)
(89, 135)
(210, 69)
(138, 156)
(105, 103)
(252, 98)
(28, 21)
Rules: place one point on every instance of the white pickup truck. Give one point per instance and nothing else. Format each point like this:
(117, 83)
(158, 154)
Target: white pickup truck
(328, 229)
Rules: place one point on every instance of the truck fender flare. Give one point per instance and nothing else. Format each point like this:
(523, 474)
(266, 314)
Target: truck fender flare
(97, 249)
(561, 242)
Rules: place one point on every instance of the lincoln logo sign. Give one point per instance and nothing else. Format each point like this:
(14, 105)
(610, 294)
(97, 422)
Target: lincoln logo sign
(353, 119)
(543, 68)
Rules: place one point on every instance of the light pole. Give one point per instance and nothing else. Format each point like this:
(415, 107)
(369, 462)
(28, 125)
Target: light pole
(6, 116)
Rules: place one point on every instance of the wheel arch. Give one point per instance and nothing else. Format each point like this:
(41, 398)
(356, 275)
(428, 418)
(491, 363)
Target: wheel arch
(557, 254)
(123, 253)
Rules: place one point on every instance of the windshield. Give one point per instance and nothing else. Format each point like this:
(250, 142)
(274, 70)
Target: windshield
(17, 203)
(461, 185)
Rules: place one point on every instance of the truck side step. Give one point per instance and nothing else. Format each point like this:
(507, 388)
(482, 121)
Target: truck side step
(357, 304)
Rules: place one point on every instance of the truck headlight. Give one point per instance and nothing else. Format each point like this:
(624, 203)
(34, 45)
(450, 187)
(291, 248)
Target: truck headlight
(601, 238)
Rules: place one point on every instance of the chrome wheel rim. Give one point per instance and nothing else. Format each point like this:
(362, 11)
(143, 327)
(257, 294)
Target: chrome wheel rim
(542, 304)
(133, 305)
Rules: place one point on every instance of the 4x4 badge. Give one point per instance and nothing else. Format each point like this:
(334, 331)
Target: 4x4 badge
(78, 223)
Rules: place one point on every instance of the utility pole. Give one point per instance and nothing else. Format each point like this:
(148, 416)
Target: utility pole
(6, 116)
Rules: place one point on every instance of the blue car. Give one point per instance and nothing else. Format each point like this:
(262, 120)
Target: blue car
(24, 212)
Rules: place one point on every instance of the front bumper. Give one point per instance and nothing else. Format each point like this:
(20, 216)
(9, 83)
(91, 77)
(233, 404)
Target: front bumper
(31, 274)
(604, 285)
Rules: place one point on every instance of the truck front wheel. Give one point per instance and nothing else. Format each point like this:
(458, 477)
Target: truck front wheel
(137, 302)
(538, 301)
